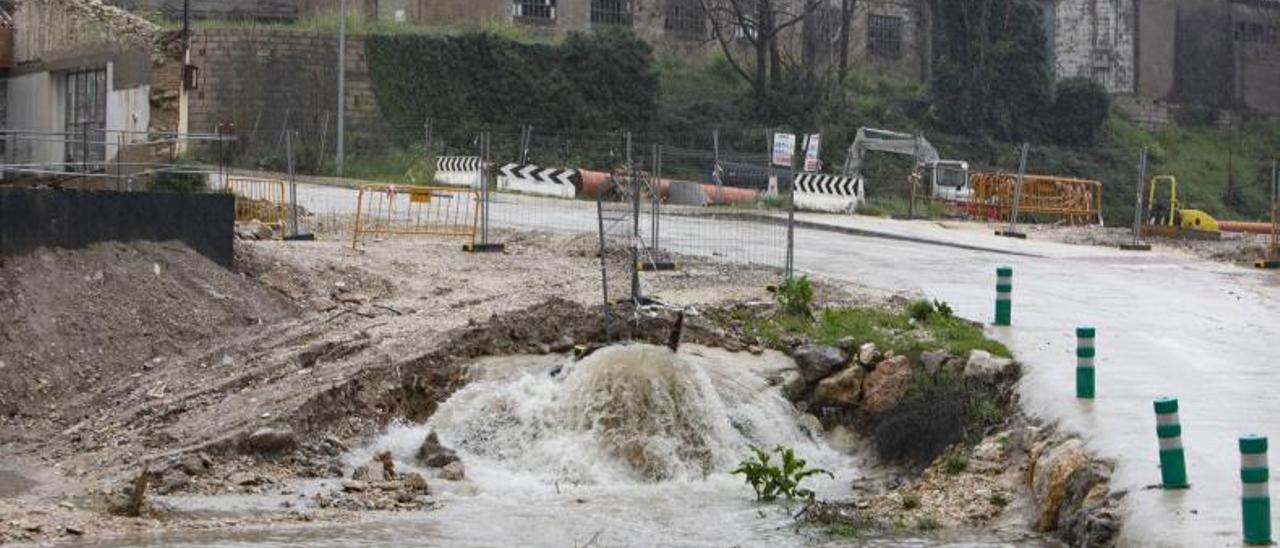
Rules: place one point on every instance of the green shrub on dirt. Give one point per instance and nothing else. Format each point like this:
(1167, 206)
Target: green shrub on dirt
(182, 178)
(795, 295)
(938, 411)
(771, 481)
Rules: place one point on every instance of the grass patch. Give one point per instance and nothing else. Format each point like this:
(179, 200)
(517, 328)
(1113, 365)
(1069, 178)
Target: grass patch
(954, 462)
(998, 500)
(910, 502)
(889, 329)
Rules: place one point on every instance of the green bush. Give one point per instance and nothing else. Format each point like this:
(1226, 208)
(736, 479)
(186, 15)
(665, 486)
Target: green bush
(468, 82)
(920, 310)
(796, 296)
(954, 461)
(1080, 109)
(769, 481)
(183, 178)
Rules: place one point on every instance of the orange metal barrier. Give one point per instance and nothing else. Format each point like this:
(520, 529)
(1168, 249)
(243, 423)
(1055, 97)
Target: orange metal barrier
(259, 199)
(416, 210)
(1078, 201)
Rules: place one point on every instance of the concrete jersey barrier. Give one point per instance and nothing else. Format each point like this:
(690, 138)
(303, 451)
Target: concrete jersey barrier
(458, 171)
(828, 192)
(532, 179)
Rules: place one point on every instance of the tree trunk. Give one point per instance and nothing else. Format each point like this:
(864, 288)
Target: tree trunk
(764, 39)
(846, 22)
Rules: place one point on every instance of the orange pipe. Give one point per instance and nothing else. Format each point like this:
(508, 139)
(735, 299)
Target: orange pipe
(593, 181)
(1239, 226)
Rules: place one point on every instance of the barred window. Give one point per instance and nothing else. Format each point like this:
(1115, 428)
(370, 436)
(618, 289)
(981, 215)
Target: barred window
(685, 18)
(534, 10)
(884, 36)
(86, 118)
(611, 12)
(1257, 33)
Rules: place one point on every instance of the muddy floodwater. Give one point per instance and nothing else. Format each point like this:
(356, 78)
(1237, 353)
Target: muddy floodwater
(632, 446)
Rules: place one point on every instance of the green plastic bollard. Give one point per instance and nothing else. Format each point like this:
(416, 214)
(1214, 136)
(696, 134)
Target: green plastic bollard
(1004, 295)
(1173, 460)
(1255, 497)
(1085, 352)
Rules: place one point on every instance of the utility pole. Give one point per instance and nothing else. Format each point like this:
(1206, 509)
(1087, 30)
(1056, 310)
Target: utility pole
(342, 83)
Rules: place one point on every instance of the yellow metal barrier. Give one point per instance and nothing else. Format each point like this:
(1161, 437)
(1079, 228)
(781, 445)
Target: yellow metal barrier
(1075, 200)
(416, 210)
(259, 199)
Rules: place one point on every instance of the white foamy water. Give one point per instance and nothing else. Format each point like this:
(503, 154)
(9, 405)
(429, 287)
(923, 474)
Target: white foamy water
(631, 447)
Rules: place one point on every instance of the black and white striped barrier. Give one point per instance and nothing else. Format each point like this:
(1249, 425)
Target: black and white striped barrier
(531, 179)
(458, 171)
(828, 192)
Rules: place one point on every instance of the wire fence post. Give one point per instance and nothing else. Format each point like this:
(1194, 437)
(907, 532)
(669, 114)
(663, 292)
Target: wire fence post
(1136, 244)
(119, 157)
(293, 184)
(426, 136)
(716, 174)
(484, 145)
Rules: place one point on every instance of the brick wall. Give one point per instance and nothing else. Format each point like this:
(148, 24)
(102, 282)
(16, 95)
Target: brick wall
(264, 79)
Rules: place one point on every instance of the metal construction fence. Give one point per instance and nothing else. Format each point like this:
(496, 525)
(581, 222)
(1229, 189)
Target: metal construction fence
(262, 200)
(389, 209)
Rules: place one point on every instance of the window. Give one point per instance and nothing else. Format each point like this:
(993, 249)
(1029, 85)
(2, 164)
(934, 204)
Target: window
(1257, 33)
(538, 11)
(86, 119)
(611, 12)
(685, 18)
(884, 36)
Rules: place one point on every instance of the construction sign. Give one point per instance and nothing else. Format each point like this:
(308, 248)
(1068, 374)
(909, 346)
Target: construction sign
(784, 146)
(811, 161)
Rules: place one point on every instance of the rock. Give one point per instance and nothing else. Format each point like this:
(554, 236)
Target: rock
(74, 530)
(370, 472)
(885, 385)
(933, 360)
(173, 480)
(1093, 525)
(435, 455)
(755, 349)
(564, 344)
(354, 486)
(793, 386)
(194, 465)
(953, 366)
(843, 389)
(1050, 472)
(245, 479)
(810, 423)
(272, 440)
(453, 471)
(816, 361)
(415, 482)
(982, 365)
(848, 345)
(868, 355)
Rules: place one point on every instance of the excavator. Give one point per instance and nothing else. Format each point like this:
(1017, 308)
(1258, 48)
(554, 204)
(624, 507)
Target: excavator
(989, 195)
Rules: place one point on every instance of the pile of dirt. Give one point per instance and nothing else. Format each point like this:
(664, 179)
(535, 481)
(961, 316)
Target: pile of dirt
(76, 317)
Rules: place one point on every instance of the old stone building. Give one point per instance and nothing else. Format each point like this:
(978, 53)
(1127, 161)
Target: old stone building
(1164, 56)
(88, 83)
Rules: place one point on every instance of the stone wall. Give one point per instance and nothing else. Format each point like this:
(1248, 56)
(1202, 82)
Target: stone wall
(1095, 39)
(264, 79)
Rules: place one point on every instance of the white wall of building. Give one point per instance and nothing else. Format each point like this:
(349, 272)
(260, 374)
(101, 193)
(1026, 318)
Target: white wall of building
(1095, 39)
(128, 114)
(35, 105)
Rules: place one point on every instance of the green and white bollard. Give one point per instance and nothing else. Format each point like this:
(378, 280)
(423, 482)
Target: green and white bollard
(1085, 352)
(1004, 295)
(1255, 499)
(1173, 460)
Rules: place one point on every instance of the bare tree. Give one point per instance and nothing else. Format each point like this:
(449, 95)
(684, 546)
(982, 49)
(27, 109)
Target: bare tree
(847, 10)
(761, 24)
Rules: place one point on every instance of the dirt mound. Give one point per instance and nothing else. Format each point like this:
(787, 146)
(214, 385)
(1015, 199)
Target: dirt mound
(112, 310)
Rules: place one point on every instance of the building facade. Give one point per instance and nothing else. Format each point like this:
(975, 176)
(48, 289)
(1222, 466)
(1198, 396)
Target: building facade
(1162, 56)
(87, 85)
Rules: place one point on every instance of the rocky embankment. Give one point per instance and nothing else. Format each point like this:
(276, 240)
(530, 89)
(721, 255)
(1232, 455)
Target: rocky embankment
(952, 423)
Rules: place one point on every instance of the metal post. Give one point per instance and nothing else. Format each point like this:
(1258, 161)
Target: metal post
(1138, 209)
(791, 222)
(484, 186)
(635, 226)
(1012, 230)
(119, 154)
(657, 203)
(342, 84)
(426, 136)
(293, 184)
(716, 169)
